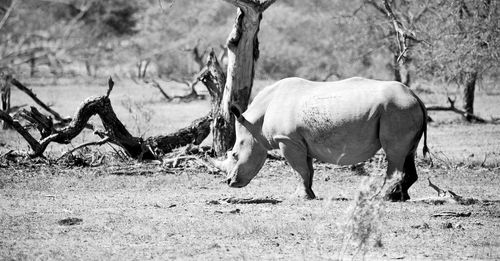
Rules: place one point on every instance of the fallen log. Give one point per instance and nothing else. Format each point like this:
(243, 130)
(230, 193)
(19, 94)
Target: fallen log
(116, 132)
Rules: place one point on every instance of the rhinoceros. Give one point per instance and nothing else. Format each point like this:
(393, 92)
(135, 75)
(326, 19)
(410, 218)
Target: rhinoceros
(343, 122)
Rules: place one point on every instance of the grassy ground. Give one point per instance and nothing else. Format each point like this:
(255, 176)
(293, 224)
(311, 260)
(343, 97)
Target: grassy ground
(132, 210)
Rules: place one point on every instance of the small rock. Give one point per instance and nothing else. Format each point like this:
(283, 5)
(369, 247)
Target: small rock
(70, 221)
(422, 226)
(235, 211)
(447, 225)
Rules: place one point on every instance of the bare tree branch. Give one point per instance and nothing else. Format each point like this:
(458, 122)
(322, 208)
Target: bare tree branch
(157, 85)
(7, 14)
(32, 95)
(402, 33)
(452, 108)
(34, 144)
(376, 6)
(91, 143)
(254, 4)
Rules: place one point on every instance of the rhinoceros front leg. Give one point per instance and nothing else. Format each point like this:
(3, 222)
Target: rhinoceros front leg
(296, 156)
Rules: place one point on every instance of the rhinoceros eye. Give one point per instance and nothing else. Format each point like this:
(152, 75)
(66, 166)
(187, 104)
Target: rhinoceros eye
(234, 155)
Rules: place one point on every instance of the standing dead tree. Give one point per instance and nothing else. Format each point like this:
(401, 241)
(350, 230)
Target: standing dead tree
(5, 85)
(215, 79)
(243, 52)
(115, 131)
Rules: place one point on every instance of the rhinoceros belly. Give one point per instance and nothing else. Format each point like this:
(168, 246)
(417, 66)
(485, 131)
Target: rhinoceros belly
(338, 131)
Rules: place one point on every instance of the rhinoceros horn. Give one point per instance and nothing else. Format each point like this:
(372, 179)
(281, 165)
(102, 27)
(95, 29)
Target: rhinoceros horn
(256, 132)
(219, 164)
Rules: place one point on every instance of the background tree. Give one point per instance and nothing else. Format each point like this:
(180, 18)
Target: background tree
(465, 46)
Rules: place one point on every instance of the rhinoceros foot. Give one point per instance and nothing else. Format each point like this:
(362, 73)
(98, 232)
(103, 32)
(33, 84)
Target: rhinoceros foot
(302, 193)
(397, 194)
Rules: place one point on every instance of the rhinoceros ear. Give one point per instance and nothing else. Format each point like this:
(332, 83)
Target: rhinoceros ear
(235, 110)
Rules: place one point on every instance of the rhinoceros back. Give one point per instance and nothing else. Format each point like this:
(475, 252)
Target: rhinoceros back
(338, 121)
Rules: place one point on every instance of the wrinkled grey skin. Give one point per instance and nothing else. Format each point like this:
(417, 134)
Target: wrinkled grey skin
(342, 122)
(246, 158)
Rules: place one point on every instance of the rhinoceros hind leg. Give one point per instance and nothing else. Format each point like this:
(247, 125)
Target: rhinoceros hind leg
(395, 167)
(300, 162)
(396, 193)
(399, 190)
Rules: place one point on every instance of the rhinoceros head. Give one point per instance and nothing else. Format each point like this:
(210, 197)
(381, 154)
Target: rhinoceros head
(248, 154)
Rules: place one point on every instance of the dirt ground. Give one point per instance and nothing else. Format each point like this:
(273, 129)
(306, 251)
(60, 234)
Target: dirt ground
(135, 211)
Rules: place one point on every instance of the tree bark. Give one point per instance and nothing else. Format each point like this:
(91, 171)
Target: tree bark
(469, 81)
(214, 79)
(243, 51)
(5, 90)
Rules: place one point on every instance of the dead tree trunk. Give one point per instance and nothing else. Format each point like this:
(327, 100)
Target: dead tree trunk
(469, 81)
(243, 51)
(115, 131)
(5, 85)
(214, 79)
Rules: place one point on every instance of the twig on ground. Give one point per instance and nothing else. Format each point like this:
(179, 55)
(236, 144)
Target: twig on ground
(92, 143)
(174, 162)
(441, 192)
(452, 214)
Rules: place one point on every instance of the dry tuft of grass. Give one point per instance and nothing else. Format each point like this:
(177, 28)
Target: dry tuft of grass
(362, 227)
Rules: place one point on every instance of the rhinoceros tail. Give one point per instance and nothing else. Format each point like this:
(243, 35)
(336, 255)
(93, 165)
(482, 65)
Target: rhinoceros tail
(425, 150)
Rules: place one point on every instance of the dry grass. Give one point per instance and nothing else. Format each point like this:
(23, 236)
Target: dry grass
(132, 210)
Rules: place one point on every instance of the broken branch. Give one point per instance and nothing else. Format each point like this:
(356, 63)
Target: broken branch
(30, 93)
(461, 112)
(92, 143)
